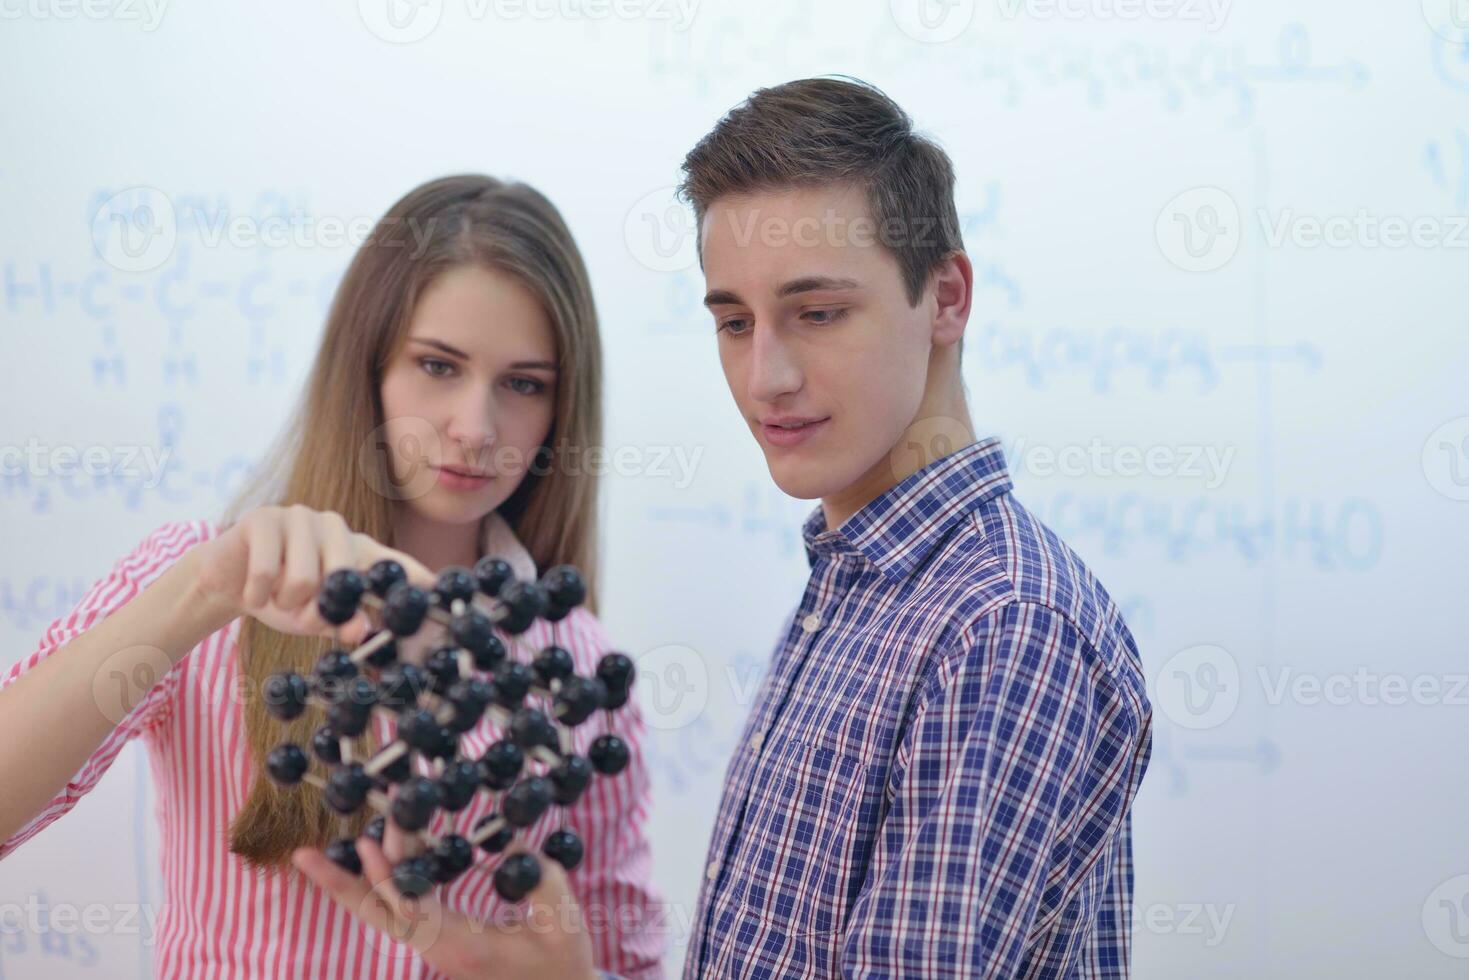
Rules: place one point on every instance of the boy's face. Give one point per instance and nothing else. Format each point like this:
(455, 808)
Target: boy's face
(826, 359)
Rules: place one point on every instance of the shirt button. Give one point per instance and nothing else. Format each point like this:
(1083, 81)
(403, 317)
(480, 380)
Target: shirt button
(757, 740)
(811, 623)
(713, 870)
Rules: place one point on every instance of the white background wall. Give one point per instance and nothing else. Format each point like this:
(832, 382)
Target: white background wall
(1299, 602)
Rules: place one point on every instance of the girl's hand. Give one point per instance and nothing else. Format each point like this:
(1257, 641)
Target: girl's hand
(271, 562)
(546, 940)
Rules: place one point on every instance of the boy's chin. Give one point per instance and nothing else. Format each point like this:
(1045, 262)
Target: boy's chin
(805, 479)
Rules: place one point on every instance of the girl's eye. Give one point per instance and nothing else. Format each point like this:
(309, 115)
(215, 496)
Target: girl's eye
(733, 326)
(826, 316)
(436, 367)
(526, 386)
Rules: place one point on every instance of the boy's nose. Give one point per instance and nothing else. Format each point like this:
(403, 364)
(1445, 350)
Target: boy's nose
(774, 368)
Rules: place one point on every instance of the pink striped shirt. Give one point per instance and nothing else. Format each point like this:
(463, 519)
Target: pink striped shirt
(222, 919)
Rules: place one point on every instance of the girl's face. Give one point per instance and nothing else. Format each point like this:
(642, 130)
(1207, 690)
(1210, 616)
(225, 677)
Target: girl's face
(471, 395)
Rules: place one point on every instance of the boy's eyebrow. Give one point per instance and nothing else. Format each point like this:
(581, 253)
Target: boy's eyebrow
(806, 284)
(456, 352)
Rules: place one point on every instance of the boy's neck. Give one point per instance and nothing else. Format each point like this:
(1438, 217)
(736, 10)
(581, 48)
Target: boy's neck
(941, 428)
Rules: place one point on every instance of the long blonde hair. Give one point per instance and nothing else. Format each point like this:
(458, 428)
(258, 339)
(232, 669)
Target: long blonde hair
(319, 460)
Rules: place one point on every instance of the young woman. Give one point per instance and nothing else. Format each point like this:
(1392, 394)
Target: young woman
(460, 362)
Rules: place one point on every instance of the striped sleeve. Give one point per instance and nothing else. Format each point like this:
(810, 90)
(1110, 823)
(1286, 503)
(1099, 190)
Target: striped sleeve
(996, 807)
(129, 576)
(614, 882)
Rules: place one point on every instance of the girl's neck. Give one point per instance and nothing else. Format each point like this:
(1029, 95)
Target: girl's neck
(435, 543)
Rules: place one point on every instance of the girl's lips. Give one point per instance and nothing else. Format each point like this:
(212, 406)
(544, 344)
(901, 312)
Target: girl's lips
(777, 435)
(460, 481)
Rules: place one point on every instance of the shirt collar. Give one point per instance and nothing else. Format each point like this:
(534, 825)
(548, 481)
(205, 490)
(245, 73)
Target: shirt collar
(899, 528)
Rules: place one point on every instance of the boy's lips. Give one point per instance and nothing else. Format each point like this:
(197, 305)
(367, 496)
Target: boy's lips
(792, 430)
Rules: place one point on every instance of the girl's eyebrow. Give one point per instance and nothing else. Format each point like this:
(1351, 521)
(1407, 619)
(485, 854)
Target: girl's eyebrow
(456, 352)
(440, 345)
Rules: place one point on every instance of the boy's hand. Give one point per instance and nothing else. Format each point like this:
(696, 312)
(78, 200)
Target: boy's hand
(546, 940)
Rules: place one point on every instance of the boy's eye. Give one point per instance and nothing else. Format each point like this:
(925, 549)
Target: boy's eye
(526, 386)
(822, 317)
(733, 325)
(435, 367)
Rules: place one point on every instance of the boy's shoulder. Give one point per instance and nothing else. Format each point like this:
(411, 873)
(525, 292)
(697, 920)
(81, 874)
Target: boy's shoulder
(1002, 556)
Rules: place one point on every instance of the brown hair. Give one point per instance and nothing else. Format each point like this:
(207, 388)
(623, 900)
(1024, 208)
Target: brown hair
(836, 130)
(319, 461)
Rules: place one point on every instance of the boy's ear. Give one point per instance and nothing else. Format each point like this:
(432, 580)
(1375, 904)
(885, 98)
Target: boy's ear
(952, 283)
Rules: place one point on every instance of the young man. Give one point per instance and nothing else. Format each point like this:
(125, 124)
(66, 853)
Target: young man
(937, 775)
(936, 778)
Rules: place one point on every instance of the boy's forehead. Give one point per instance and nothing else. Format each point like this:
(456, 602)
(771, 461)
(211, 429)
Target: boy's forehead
(752, 237)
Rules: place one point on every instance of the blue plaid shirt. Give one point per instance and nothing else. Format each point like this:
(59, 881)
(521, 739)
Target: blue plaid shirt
(937, 776)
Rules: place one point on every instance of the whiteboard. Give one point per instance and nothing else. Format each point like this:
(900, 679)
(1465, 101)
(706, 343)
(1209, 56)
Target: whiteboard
(1219, 327)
